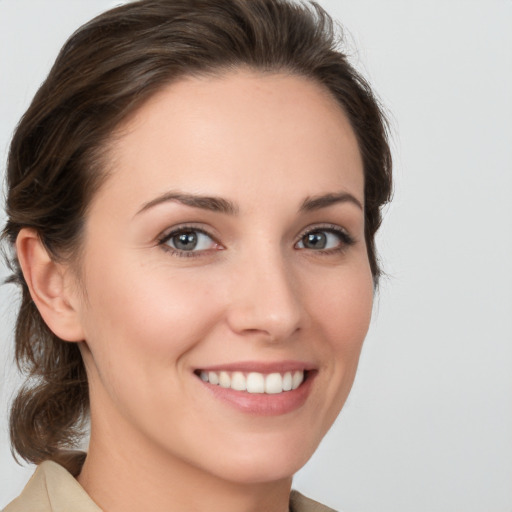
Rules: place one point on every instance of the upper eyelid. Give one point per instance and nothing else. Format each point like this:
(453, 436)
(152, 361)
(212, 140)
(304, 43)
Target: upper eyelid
(346, 238)
(169, 232)
(324, 227)
(162, 241)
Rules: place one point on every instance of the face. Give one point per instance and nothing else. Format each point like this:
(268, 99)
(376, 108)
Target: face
(224, 263)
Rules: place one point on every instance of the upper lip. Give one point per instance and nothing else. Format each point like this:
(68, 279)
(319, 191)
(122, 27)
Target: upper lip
(260, 367)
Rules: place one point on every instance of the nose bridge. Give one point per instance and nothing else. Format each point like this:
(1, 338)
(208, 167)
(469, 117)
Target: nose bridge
(266, 299)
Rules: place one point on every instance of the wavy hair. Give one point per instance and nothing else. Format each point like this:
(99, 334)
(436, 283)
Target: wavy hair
(56, 163)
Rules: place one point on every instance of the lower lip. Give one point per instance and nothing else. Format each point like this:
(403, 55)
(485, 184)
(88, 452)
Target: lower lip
(264, 404)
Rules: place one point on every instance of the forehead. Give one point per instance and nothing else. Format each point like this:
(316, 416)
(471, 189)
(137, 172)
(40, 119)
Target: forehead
(270, 133)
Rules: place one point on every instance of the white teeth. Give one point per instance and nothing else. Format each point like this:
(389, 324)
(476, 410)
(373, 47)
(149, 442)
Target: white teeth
(287, 381)
(297, 379)
(254, 382)
(273, 383)
(224, 380)
(238, 381)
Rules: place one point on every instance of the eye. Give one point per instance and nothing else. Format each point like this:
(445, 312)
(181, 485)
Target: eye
(325, 239)
(190, 240)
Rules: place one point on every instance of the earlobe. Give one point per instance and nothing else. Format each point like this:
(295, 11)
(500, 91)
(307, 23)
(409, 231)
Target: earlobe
(48, 282)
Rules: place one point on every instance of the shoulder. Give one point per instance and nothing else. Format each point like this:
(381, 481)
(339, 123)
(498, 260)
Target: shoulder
(52, 489)
(300, 503)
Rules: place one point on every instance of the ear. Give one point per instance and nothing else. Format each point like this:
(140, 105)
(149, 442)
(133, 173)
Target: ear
(50, 286)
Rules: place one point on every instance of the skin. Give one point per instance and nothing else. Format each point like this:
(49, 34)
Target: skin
(146, 318)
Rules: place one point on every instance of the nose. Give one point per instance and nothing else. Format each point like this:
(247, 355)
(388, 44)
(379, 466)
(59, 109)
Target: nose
(265, 299)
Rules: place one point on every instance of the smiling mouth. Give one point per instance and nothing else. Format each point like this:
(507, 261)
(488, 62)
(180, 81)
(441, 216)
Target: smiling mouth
(255, 382)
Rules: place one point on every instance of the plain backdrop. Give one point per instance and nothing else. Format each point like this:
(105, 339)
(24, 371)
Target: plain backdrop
(428, 426)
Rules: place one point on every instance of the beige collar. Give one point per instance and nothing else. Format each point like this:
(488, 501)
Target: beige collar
(52, 489)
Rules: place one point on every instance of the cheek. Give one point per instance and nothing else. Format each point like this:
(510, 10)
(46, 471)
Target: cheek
(141, 326)
(343, 308)
(141, 318)
(343, 305)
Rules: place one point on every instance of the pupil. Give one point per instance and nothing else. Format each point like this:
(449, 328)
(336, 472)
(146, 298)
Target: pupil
(315, 240)
(185, 241)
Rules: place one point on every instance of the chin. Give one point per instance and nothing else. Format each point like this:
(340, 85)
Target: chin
(258, 470)
(265, 458)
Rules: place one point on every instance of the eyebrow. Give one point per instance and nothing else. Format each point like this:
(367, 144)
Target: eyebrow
(221, 205)
(318, 202)
(214, 204)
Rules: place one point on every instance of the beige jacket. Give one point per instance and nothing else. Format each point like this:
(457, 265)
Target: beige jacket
(53, 489)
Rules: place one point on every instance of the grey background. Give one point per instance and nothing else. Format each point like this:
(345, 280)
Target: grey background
(428, 426)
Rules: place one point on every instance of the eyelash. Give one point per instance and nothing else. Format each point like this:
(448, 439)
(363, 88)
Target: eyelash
(162, 241)
(346, 240)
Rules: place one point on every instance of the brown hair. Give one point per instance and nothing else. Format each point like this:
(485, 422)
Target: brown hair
(56, 163)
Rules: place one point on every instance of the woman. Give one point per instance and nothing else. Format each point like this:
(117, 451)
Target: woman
(193, 197)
